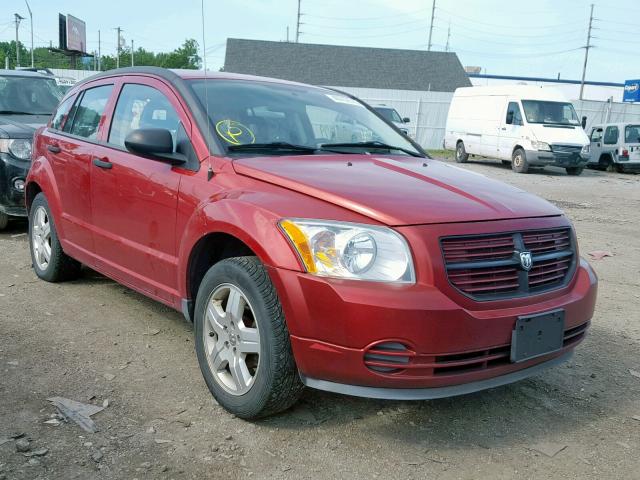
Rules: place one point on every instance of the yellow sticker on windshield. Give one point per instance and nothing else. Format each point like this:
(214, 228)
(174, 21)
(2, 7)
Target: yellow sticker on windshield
(234, 132)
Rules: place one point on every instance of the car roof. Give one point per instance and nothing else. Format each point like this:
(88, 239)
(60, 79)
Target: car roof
(22, 73)
(173, 75)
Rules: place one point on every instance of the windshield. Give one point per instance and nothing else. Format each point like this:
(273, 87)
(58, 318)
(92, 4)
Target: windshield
(389, 113)
(632, 134)
(551, 113)
(248, 112)
(28, 95)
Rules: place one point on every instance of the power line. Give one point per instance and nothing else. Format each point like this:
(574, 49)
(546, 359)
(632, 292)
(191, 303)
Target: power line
(489, 24)
(368, 18)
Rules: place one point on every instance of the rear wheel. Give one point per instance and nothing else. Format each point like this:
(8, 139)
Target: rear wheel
(49, 260)
(519, 162)
(4, 220)
(574, 170)
(242, 340)
(461, 154)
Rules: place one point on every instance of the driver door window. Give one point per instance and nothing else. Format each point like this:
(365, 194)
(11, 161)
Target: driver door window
(514, 117)
(596, 135)
(141, 106)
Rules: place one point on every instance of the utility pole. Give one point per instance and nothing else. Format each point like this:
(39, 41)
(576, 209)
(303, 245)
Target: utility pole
(118, 54)
(446, 48)
(132, 52)
(99, 53)
(298, 23)
(31, 19)
(586, 53)
(18, 18)
(433, 13)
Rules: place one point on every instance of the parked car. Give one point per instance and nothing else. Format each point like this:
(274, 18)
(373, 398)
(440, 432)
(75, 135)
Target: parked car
(518, 124)
(615, 146)
(360, 268)
(391, 115)
(27, 100)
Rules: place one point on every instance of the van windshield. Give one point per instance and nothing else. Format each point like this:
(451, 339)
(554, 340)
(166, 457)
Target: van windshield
(632, 134)
(550, 113)
(244, 113)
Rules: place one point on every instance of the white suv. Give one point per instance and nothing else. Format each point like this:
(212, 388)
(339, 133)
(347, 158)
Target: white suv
(615, 146)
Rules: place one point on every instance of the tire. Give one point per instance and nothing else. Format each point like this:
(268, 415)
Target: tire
(4, 221)
(461, 154)
(574, 170)
(58, 266)
(274, 384)
(519, 162)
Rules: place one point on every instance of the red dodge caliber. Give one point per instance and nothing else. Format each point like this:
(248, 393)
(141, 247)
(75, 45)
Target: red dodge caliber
(309, 241)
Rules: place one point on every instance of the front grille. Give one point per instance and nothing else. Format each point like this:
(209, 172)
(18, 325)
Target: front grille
(391, 358)
(489, 267)
(568, 149)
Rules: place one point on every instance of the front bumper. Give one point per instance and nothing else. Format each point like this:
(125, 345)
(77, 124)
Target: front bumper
(337, 326)
(12, 201)
(557, 159)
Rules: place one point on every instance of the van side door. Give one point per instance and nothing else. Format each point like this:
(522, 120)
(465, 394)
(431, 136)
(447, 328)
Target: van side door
(510, 131)
(596, 144)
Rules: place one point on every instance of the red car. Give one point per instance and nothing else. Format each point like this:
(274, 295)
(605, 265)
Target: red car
(362, 267)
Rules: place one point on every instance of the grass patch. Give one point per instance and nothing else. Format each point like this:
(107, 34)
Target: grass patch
(446, 154)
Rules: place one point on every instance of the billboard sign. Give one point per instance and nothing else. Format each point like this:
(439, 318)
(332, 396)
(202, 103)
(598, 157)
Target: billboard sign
(76, 34)
(631, 91)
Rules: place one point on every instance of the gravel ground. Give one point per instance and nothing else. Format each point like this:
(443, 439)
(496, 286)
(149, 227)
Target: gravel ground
(93, 340)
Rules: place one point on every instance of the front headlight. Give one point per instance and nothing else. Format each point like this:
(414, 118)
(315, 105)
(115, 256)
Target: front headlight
(350, 250)
(586, 149)
(18, 147)
(540, 146)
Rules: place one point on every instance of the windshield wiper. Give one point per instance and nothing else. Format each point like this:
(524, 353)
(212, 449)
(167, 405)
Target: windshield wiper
(15, 112)
(281, 146)
(369, 145)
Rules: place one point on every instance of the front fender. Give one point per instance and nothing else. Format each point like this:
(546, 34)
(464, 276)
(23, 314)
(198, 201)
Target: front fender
(256, 227)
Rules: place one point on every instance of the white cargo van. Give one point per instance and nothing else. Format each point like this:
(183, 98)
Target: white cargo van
(519, 124)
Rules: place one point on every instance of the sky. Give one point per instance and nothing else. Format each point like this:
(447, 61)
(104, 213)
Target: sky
(521, 38)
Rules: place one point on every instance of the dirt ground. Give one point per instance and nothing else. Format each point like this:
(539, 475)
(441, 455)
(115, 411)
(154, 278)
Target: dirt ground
(93, 340)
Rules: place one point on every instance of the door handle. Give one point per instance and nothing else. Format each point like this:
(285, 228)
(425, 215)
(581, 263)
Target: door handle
(102, 164)
(53, 148)
(503, 128)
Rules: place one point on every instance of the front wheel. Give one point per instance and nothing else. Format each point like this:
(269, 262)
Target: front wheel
(519, 162)
(461, 154)
(242, 340)
(574, 170)
(4, 220)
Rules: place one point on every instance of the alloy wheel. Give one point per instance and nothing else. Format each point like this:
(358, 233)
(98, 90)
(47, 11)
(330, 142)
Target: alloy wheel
(41, 238)
(231, 339)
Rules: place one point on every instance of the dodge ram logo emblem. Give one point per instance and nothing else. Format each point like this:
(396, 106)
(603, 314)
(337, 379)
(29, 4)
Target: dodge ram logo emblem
(526, 262)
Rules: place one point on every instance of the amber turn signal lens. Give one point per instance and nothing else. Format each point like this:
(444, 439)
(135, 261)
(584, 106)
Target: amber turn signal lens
(300, 243)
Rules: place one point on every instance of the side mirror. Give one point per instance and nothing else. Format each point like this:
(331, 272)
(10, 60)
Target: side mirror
(406, 120)
(153, 142)
(584, 122)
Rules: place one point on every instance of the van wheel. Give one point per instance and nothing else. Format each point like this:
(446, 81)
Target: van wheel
(574, 170)
(519, 162)
(49, 260)
(461, 154)
(242, 340)
(4, 220)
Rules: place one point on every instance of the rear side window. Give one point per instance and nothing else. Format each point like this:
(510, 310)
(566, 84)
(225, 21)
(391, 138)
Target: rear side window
(514, 117)
(611, 135)
(89, 112)
(141, 106)
(61, 115)
(632, 134)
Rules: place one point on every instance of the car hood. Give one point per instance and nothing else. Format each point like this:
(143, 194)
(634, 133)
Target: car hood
(20, 126)
(562, 134)
(397, 190)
